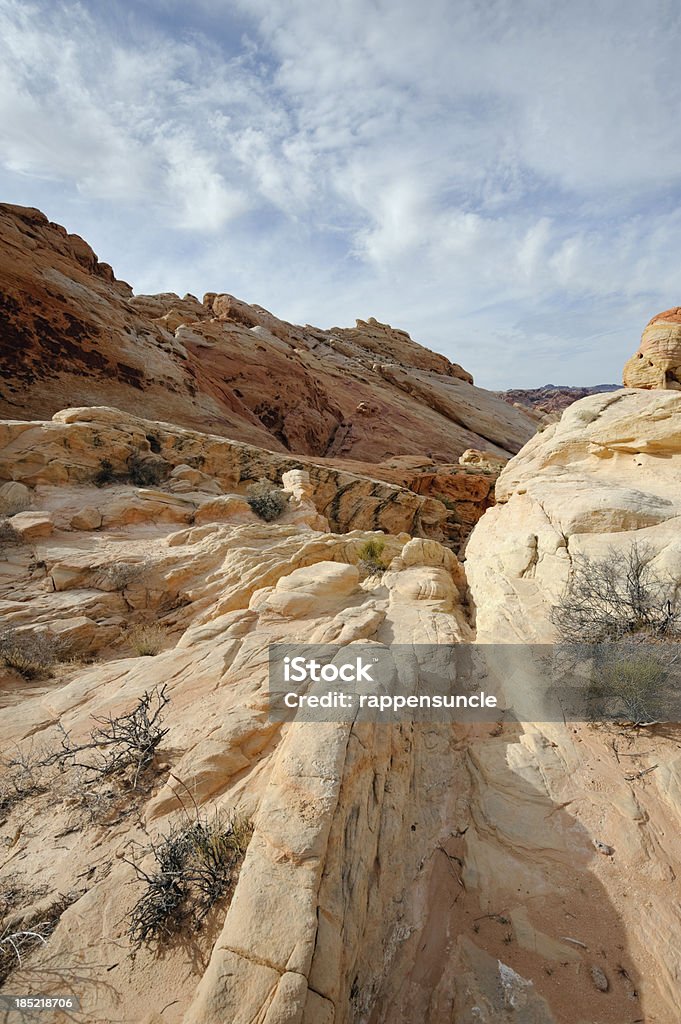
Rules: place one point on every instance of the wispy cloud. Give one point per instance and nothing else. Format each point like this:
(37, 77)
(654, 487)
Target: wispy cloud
(500, 177)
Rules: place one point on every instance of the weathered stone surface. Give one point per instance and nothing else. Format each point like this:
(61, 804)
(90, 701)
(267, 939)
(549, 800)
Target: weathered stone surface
(88, 518)
(73, 446)
(604, 477)
(32, 526)
(657, 363)
(221, 366)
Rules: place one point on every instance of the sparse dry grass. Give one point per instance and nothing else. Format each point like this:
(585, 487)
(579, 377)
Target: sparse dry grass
(146, 640)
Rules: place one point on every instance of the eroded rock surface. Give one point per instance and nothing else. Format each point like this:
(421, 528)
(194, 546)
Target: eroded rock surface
(71, 334)
(396, 873)
(657, 363)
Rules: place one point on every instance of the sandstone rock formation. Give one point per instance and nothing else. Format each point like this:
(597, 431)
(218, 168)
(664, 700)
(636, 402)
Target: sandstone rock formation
(494, 872)
(72, 335)
(657, 363)
(605, 476)
(396, 873)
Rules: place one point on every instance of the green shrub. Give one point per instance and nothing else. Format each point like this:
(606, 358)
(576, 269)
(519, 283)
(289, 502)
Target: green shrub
(369, 560)
(632, 681)
(267, 501)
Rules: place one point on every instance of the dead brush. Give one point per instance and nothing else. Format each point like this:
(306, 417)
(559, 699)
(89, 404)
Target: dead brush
(15, 945)
(33, 654)
(21, 775)
(22, 932)
(126, 744)
(195, 866)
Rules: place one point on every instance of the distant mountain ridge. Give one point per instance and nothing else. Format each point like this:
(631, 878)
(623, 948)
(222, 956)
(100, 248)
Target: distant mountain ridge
(552, 398)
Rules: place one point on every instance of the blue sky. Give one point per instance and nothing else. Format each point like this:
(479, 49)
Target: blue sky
(502, 178)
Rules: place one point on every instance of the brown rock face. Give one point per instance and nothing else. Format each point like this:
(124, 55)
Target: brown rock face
(72, 335)
(657, 363)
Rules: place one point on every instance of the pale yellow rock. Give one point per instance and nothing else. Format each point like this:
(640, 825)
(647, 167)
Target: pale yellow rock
(657, 363)
(482, 460)
(604, 477)
(229, 508)
(31, 526)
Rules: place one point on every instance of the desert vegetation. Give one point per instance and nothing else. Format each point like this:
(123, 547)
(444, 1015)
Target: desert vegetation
(124, 745)
(267, 501)
(370, 558)
(194, 866)
(621, 595)
(33, 653)
(620, 612)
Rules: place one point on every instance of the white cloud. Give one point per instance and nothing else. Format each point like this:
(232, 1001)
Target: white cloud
(475, 170)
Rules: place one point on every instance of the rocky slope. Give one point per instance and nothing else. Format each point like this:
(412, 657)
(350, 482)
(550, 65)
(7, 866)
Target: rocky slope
(72, 335)
(499, 873)
(395, 873)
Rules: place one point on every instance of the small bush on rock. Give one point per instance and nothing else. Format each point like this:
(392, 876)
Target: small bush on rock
(147, 472)
(266, 500)
(195, 865)
(8, 534)
(632, 682)
(31, 653)
(370, 561)
(146, 640)
(622, 612)
(124, 745)
(105, 474)
(615, 597)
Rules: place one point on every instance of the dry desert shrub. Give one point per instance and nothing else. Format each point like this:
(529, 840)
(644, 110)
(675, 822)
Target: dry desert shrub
(124, 745)
(119, 575)
(147, 472)
(141, 470)
(21, 775)
(22, 932)
(195, 865)
(33, 654)
(615, 597)
(620, 613)
(267, 501)
(8, 534)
